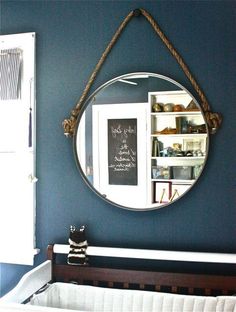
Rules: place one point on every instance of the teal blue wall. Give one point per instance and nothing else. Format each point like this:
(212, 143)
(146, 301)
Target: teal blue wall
(71, 36)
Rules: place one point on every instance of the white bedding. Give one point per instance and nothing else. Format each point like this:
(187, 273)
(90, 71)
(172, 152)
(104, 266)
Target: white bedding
(97, 299)
(17, 307)
(63, 297)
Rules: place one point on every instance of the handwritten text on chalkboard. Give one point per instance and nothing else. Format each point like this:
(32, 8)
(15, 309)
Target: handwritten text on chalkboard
(122, 151)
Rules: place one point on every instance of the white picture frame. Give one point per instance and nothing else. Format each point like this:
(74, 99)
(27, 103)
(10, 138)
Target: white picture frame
(195, 144)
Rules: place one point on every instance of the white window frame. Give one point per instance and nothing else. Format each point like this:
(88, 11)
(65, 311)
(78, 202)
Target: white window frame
(18, 161)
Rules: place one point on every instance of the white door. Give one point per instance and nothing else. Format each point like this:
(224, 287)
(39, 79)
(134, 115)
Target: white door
(120, 153)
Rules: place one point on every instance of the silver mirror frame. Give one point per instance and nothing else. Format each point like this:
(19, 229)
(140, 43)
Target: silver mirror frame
(88, 102)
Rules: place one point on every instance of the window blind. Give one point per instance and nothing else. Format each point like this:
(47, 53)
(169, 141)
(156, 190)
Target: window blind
(10, 73)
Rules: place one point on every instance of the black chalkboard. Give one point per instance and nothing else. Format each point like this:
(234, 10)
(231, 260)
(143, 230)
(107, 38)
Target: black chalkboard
(122, 151)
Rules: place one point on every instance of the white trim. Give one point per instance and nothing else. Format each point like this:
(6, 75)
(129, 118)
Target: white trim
(29, 283)
(19, 255)
(153, 254)
(18, 160)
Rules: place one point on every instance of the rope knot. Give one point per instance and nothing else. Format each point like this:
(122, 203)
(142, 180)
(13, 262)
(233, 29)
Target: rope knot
(69, 126)
(214, 121)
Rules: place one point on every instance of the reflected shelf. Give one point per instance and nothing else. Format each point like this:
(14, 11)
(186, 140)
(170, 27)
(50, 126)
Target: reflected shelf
(203, 135)
(184, 113)
(180, 158)
(174, 180)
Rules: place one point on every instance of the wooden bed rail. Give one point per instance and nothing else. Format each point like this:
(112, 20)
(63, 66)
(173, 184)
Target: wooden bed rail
(197, 284)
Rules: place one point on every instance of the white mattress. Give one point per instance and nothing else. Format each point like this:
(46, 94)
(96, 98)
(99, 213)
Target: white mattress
(97, 299)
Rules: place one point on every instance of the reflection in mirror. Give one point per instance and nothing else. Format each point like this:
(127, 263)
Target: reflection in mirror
(141, 141)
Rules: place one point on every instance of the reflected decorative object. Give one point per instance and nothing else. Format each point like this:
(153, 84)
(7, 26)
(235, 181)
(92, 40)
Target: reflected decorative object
(167, 130)
(168, 107)
(166, 116)
(178, 108)
(182, 172)
(192, 106)
(155, 148)
(157, 107)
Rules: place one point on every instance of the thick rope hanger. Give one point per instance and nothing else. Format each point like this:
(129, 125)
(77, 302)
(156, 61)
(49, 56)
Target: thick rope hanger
(213, 119)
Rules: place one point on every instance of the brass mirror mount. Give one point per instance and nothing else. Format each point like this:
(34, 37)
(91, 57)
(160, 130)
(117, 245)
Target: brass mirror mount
(213, 120)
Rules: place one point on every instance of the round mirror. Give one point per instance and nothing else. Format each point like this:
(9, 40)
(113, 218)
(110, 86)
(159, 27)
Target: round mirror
(141, 141)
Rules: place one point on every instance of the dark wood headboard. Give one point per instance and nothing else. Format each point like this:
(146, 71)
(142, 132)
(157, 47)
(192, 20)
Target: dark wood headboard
(184, 283)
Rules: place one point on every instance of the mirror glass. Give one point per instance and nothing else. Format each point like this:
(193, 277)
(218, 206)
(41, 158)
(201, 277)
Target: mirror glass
(141, 141)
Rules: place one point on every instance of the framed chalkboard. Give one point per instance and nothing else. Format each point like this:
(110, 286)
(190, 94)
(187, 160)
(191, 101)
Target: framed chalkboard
(122, 151)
